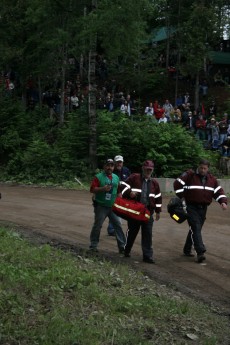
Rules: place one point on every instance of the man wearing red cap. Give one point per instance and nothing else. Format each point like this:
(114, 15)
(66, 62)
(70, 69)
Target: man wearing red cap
(145, 189)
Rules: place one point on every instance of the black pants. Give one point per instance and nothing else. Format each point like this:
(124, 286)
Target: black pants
(196, 219)
(146, 236)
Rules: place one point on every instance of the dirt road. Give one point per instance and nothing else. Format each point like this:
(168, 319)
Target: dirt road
(66, 217)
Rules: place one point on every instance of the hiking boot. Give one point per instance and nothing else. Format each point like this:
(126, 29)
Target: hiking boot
(148, 260)
(200, 258)
(93, 249)
(189, 254)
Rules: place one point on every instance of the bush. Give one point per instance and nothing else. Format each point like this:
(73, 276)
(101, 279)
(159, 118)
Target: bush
(36, 149)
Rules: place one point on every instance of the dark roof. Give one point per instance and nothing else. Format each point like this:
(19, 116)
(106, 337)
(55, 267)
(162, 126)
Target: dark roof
(219, 58)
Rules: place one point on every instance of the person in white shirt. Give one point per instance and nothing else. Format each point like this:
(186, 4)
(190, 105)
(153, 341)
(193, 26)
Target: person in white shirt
(168, 108)
(124, 107)
(74, 101)
(149, 110)
(163, 119)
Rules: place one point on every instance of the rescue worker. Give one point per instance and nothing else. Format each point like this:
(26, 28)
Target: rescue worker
(197, 189)
(145, 189)
(123, 173)
(104, 187)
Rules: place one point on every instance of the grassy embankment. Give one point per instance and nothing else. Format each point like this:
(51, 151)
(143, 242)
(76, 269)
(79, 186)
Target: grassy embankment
(53, 297)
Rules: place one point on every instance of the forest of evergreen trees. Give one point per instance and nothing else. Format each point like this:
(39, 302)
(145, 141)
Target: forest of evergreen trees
(45, 44)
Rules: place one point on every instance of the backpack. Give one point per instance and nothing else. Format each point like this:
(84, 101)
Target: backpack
(176, 210)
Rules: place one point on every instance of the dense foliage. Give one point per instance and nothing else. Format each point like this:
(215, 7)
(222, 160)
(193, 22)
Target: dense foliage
(38, 40)
(33, 147)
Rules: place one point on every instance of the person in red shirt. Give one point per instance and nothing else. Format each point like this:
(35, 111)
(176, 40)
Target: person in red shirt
(200, 125)
(158, 112)
(104, 187)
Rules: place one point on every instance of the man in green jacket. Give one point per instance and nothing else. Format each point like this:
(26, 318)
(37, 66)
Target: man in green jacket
(104, 187)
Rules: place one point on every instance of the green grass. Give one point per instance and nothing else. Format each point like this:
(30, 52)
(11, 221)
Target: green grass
(48, 296)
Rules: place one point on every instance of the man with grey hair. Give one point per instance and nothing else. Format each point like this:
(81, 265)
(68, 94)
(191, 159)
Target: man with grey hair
(146, 190)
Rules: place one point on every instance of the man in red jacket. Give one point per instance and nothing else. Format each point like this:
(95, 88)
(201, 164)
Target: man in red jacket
(197, 189)
(145, 189)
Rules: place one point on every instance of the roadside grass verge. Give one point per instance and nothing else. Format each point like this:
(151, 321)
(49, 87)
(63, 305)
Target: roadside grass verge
(48, 296)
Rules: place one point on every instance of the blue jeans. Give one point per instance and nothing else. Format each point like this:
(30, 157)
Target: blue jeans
(101, 213)
(110, 228)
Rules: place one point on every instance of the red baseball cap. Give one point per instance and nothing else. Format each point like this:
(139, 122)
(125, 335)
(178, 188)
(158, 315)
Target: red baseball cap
(148, 164)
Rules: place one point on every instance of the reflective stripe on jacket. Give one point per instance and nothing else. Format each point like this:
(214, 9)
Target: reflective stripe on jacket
(190, 187)
(134, 184)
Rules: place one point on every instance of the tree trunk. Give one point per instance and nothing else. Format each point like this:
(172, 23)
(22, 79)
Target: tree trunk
(81, 68)
(92, 112)
(167, 42)
(196, 98)
(63, 75)
(92, 100)
(62, 103)
(177, 74)
(40, 92)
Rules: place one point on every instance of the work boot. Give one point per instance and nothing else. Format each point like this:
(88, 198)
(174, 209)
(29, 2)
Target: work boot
(200, 258)
(148, 260)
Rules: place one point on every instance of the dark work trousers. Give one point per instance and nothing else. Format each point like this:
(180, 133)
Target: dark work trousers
(196, 219)
(146, 236)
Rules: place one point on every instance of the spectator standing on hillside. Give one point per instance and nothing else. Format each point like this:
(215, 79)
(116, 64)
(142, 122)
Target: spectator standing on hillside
(201, 127)
(184, 114)
(190, 123)
(212, 109)
(123, 173)
(149, 110)
(130, 105)
(179, 101)
(197, 189)
(158, 112)
(145, 189)
(168, 108)
(110, 104)
(226, 147)
(163, 119)
(124, 107)
(105, 187)
(175, 115)
(213, 133)
(74, 101)
(186, 99)
(223, 128)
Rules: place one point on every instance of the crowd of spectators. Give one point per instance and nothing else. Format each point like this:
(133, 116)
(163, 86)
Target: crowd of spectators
(206, 124)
